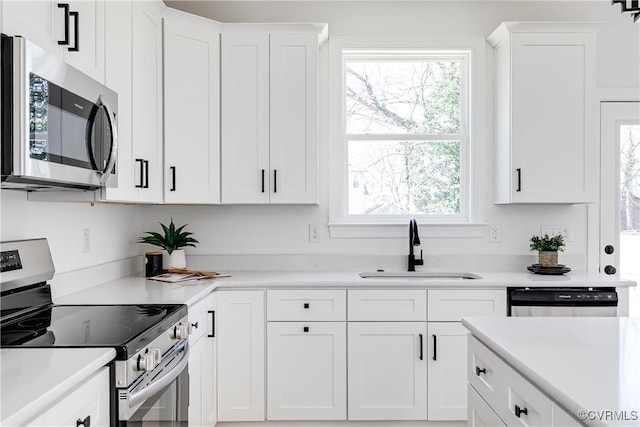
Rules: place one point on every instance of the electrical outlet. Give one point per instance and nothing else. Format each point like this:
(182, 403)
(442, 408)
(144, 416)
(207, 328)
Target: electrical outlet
(495, 233)
(86, 240)
(314, 233)
(553, 230)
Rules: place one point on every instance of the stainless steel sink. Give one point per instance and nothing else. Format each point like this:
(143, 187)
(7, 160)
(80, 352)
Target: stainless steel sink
(420, 275)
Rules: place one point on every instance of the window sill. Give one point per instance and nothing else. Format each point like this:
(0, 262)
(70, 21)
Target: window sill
(346, 230)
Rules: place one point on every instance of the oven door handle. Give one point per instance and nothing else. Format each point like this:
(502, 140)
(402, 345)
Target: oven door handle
(158, 385)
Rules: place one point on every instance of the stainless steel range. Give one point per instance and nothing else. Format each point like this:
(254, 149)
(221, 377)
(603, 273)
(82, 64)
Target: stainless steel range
(149, 378)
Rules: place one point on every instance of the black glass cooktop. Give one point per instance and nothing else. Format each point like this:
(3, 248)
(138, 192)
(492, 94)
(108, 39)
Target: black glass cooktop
(127, 328)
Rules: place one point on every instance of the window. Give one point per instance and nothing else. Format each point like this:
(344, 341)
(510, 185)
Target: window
(403, 140)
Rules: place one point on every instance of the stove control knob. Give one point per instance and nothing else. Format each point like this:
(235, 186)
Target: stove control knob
(180, 332)
(156, 353)
(146, 362)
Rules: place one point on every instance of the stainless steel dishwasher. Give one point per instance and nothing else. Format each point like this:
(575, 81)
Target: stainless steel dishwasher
(562, 302)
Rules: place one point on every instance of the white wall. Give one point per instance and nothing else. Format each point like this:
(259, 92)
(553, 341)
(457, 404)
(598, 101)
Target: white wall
(244, 230)
(113, 229)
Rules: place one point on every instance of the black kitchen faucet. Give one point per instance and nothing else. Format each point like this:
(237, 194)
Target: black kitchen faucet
(414, 240)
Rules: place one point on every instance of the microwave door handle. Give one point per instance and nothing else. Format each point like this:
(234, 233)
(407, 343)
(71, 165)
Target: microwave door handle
(114, 142)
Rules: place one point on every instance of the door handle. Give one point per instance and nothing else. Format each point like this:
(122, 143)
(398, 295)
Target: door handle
(275, 180)
(435, 347)
(146, 174)
(173, 178)
(519, 172)
(76, 32)
(111, 161)
(421, 346)
(141, 161)
(65, 41)
(213, 323)
(263, 180)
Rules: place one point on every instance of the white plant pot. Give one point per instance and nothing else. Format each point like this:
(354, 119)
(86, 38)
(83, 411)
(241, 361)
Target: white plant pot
(176, 259)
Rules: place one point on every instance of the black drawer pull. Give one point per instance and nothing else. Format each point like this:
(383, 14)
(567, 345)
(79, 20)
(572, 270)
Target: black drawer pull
(173, 178)
(262, 180)
(421, 346)
(520, 411)
(306, 305)
(275, 181)
(435, 347)
(76, 44)
(213, 324)
(86, 422)
(519, 171)
(141, 161)
(480, 370)
(305, 329)
(146, 174)
(195, 325)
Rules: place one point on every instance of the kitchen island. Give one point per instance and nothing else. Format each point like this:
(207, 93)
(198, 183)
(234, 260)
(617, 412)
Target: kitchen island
(544, 369)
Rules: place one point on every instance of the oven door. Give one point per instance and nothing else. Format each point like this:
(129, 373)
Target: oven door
(161, 397)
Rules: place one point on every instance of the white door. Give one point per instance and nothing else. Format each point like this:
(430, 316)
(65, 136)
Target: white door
(240, 339)
(480, 413)
(387, 371)
(620, 191)
(191, 109)
(294, 118)
(245, 118)
(447, 359)
(307, 371)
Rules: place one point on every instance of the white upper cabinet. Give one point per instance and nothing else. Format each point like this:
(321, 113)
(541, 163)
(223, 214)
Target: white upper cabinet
(73, 30)
(134, 71)
(270, 113)
(192, 109)
(546, 110)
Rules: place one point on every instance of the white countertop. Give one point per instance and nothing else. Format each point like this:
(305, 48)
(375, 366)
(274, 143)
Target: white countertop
(583, 363)
(138, 290)
(32, 379)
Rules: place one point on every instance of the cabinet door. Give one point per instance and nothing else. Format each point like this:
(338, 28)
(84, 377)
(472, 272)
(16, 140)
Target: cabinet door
(447, 358)
(146, 114)
(245, 118)
(481, 414)
(192, 109)
(552, 115)
(91, 399)
(240, 333)
(38, 21)
(118, 77)
(307, 371)
(209, 371)
(89, 18)
(196, 381)
(293, 111)
(387, 371)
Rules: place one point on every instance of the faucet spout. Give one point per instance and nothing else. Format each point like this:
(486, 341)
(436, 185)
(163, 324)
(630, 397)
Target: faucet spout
(414, 240)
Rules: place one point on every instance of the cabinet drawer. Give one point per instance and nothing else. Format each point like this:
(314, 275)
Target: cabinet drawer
(388, 305)
(452, 305)
(479, 413)
(306, 305)
(486, 373)
(525, 404)
(198, 319)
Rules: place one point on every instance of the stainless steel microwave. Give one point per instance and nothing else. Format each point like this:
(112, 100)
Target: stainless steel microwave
(58, 124)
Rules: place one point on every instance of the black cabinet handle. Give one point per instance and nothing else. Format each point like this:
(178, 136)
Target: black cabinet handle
(609, 249)
(141, 185)
(195, 325)
(435, 347)
(480, 370)
(213, 323)
(65, 6)
(305, 329)
(86, 422)
(519, 411)
(421, 345)
(76, 44)
(146, 174)
(263, 180)
(305, 305)
(610, 269)
(173, 178)
(275, 180)
(519, 172)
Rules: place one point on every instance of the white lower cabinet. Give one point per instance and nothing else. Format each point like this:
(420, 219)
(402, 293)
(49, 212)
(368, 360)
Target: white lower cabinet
(387, 371)
(306, 371)
(202, 363)
(480, 413)
(447, 359)
(88, 403)
(240, 324)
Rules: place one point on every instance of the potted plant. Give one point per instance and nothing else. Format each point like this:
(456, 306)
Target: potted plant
(173, 240)
(547, 248)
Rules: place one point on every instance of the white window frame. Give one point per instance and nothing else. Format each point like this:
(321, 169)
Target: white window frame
(473, 166)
